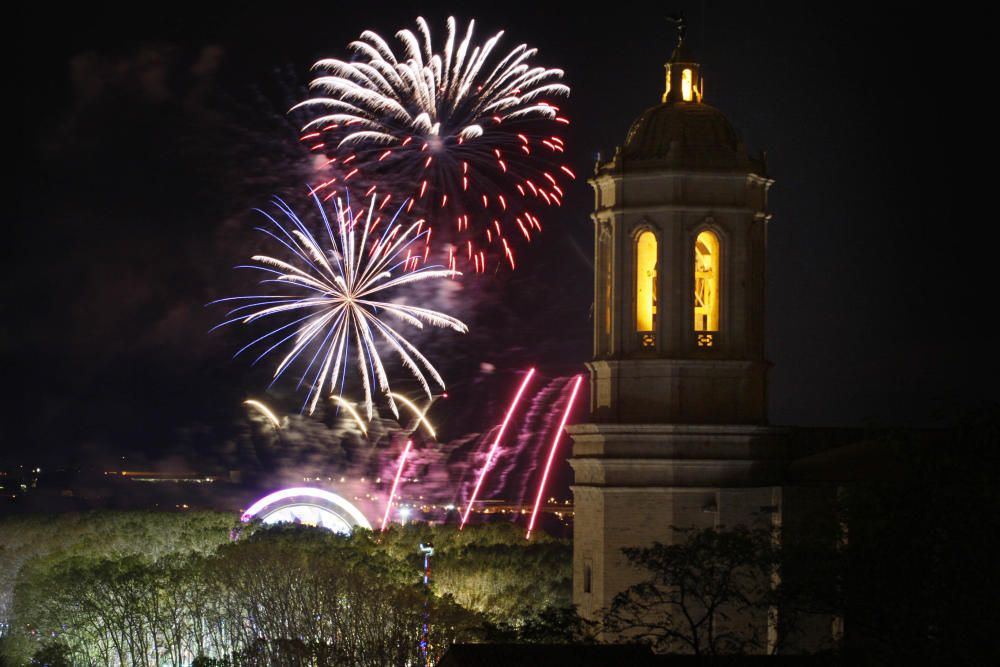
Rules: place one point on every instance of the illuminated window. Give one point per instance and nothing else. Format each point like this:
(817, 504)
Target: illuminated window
(687, 88)
(667, 91)
(607, 289)
(645, 282)
(706, 282)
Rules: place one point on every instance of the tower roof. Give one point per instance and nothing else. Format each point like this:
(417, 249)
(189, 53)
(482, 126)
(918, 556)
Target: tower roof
(683, 132)
(684, 135)
(689, 126)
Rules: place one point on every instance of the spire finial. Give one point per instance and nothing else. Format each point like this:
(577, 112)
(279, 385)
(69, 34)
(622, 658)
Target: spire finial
(683, 74)
(681, 25)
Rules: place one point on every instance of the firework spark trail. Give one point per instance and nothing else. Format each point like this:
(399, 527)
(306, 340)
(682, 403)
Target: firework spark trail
(518, 461)
(444, 473)
(264, 410)
(420, 415)
(339, 400)
(496, 443)
(459, 125)
(395, 483)
(339, 289)
(552, 455)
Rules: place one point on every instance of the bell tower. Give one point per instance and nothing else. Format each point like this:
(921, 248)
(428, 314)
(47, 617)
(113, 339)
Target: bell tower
(678, 431)
(680, 219)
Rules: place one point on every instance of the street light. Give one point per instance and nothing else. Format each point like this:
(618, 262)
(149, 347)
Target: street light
(427, 550)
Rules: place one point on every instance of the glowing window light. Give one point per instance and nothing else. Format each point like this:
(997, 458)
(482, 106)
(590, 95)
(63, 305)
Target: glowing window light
(706, 282)
(608, 277)
(687, 87)
(645, 282)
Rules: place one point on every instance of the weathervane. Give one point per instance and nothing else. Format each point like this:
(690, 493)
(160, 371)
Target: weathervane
(681, 25)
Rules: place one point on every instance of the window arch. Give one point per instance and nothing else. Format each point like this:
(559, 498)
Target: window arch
(645, 281)
(707, 293)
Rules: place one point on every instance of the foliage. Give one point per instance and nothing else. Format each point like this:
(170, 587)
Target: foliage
(704, 594)
(550, 625)
(53, 655)
(281, 595)
(906, 559)
(31, 538)
(487, 569)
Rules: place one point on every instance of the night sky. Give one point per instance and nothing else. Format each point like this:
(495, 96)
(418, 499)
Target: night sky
(146, 137)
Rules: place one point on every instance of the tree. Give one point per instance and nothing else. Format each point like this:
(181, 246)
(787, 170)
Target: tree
(550, 625)
(286, 594)
(53, 655)
(707, 593)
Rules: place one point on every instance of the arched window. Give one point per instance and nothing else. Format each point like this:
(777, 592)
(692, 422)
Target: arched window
(687, 85)
(645, 282)
(706, 282)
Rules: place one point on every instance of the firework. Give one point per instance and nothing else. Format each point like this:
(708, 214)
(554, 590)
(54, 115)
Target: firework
(421, 415)
(496, 443)
(339, 400)
(334, 294)
(552, 455)
(467, 130)
(266, 411)
(395, 483)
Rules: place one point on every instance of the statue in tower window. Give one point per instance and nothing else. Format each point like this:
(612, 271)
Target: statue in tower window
(706, 282)
(650, 280)
(645, 286)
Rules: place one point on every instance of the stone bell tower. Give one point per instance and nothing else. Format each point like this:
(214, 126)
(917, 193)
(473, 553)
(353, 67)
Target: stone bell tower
(678, 431)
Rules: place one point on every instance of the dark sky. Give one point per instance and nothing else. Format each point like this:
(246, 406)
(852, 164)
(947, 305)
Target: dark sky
(146, 136)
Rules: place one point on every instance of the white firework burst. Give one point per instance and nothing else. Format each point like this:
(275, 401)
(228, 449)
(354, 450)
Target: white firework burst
(467, 130)
(454, 93)
(339, 291)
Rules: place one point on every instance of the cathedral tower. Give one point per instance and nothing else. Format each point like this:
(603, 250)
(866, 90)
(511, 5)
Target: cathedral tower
(678, 431)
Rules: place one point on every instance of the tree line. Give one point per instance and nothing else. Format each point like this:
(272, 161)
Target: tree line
(289, 595)
(898, 568)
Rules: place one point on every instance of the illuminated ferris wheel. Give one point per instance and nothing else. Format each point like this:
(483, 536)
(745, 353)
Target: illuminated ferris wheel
(307, 506)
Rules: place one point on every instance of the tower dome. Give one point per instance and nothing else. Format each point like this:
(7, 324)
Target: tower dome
(683, 132)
